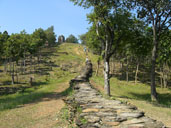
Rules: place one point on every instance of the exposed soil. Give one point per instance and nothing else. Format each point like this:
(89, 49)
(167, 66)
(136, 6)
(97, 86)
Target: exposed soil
(40, 114)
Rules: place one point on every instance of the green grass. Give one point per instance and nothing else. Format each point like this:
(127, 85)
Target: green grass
(137, 91)
(32, 94)
(43, 84)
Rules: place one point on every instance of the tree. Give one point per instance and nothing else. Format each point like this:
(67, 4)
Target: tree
(111, 21)
(25, 38)
(12, 50)
(37, 40)
(156, 13)
(164, 58)
(50, 35)
(137, 45)
(3, 38)
(72, 39)
(91, 40)
(83, 39)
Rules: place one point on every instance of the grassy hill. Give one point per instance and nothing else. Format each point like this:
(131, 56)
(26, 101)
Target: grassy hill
(28, 105)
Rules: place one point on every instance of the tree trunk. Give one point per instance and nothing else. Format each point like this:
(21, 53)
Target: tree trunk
(127, 73)
(21, 66)
(24, 62)
(5, 65)
(136, 73)
(153, 66)
(161, 77)
(10, 67)
(106, 76)
(30, 64)
(106, 69)
(97, 70)
(17, 74)
(12, 75)
(38, 60)
(165, 75)
(34, 65)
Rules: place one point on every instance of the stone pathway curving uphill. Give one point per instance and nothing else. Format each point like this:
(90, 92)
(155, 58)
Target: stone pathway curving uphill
(98, 112)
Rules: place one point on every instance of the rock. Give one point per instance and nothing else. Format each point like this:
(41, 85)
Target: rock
(112, 123)
(132, 114)
(109, 119)
(90, 110)
(133, 126)
(92, 119)
(104, 114)
(133, 121)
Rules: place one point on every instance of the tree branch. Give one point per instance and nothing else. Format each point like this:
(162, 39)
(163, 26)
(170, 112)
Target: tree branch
(117, 44)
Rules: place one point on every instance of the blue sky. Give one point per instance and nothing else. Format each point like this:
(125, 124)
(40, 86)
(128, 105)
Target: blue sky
(16, 15)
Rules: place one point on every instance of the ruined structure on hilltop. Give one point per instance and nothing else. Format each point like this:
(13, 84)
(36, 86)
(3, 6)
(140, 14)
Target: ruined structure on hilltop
(61, 39)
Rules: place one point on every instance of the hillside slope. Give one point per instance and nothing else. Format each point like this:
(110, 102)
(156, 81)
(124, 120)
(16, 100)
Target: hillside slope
(42, 105)
(39, 106)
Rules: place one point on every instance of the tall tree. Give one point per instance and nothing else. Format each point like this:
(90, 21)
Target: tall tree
(25, 38)
(3, 38)
(12, 50)
(37, 40)
(111, 21)
(50, 35)
(156, 13)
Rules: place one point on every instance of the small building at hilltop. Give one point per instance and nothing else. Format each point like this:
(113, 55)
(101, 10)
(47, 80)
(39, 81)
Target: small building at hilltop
(61, 39)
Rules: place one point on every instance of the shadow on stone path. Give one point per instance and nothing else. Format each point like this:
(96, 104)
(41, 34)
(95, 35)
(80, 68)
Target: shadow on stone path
(103, 113)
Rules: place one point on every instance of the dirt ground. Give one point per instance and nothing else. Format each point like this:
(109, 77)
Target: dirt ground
(40, 114)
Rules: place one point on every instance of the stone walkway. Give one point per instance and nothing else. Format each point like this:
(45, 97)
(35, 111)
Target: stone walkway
(98, 112)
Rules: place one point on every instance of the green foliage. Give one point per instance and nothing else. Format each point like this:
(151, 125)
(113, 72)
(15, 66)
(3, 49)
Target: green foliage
(165, 48)
(91, 40)
(72, 39)
(3, 38)
(83, 39)
(12, 47)
(50, 35)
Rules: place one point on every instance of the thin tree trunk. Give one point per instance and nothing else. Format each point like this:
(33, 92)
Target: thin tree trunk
(106, 69)
(136, 73)
(153, 66)
(121, 65)
(127, 73)
(161, 77)
(5, 65)
(12, 75)
(165, 75)
(17, 74)
(10, 67)
(30, 63)
(34, 65)
(106, 77)
(24, 62)
(21, 66)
